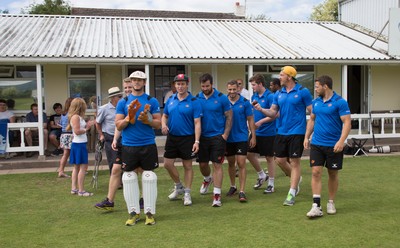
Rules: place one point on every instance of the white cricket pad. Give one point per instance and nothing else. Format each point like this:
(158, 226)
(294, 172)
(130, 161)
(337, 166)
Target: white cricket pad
(149, 183)
(131, 191)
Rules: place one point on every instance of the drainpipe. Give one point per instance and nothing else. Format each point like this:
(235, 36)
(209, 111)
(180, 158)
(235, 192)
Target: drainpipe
(147, 71)
(249, 75)
(344, 82)
(40, 108)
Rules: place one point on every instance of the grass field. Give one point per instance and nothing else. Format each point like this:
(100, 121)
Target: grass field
(38, 211)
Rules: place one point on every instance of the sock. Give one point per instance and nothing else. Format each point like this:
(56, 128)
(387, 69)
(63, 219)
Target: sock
(261, 174)
(233, 186)
(317, 200)
(207, 178)
(292, 192)
(330, 201)
(178, 185)
(217, 191)
(271, 181)
(187, 191)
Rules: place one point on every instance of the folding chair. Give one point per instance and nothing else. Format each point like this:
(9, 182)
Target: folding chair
(359, 145)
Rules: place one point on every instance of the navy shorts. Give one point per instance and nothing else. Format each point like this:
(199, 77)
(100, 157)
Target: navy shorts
(145, 157)
(236, 148)
(179, 147)
(56, 132)
(289, 146)
(212, 149)
(264, 146)
(324, 156)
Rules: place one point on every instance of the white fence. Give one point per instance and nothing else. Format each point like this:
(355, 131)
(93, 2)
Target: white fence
(389, 128)
(22, 147)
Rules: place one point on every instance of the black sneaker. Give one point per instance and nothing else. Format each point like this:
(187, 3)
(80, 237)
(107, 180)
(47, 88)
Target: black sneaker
(231, 191)
(242, 197)
(105, 205)
(55, 153)
(260, 181)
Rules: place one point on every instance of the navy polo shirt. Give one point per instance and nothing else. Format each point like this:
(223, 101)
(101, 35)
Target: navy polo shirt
(138, 134)
(241, 110)
(181, 114)
(292, 107)
(328, 125)
(214, 108)
(265, 101)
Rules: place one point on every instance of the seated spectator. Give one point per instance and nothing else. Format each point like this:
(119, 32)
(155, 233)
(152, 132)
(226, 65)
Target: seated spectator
(6, 116)
(55, 129)
(33, 116)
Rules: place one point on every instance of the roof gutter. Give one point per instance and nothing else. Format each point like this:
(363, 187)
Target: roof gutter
(195, 61)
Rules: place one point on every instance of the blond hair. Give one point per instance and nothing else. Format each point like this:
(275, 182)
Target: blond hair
(78, 107)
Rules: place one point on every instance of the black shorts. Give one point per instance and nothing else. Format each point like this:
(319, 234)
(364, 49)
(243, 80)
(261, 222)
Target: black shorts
(264, 146)
(288, 146)
(145, 157)
(179, 147)
(118, 158)
(324, 156)
(212, 149)
(236, 148)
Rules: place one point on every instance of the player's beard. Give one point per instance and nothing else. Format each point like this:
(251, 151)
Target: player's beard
(139, 90)
(232, 96)
(207, 92)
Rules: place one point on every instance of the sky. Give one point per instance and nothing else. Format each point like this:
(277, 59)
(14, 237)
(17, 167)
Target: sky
(287, 10)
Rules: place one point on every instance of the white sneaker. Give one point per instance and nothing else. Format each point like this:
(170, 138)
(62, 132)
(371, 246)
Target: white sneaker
(204, 186)
(315, 211)
(330, 208)
(298, 185)
(176, 191)
(187, 199)
(217, 200)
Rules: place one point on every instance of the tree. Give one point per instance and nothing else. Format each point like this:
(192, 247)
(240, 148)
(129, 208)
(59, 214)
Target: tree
(49, 7)
(258, 17)
(326, 11)
(5, 11)
(9, 92)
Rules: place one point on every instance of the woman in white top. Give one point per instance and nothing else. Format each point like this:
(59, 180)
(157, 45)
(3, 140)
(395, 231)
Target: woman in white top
(79, 154)
(6, 116)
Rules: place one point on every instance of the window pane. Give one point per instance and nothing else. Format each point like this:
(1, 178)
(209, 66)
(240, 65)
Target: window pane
(164, 75)
(24, 93)
(307, 80)
(7, 71)
(82, 71)
(84, 88)
(26, 71)
(260, 68)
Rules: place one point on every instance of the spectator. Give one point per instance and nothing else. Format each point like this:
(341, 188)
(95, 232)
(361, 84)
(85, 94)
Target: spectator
(242, 89)
(170, 93)
(6, 116)
(55, 129)
(65, 138)
(79, 154)
(33, 132)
